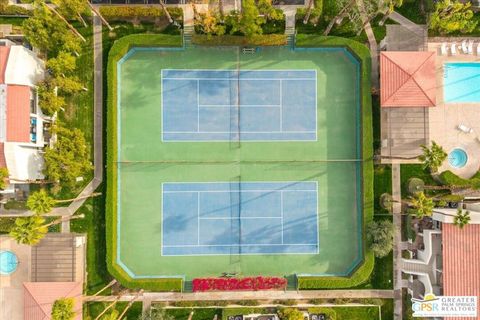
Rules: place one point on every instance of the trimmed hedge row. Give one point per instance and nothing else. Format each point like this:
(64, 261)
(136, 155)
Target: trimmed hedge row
(14, 10)
(229, 40)
(451, 179)
(363, 272)
(118, 50)
(131, 12)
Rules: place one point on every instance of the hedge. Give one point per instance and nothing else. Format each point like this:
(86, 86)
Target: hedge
(132, 12)
(118, 50)
(451, 179)
(363, 272)
(15, 11)
(229, 40)
(242, 311)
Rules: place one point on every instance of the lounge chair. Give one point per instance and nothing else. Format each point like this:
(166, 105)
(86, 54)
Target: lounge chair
(470, 47)
(464, 128)
(478, 49)
(443, 49)
(464, 46)
(453, 49)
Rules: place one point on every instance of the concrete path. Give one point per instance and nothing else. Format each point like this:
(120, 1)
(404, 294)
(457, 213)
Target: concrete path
(372, 43)
(397, 239)
(410, 25)
(251, 295)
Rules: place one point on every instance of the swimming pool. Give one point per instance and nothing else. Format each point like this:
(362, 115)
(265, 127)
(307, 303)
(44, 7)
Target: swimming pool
(457, 158)
(8, 262)
(460, 83)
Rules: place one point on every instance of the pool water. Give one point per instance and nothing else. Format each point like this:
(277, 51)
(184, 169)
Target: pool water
(457, 158)
(8, 262)
(460, 82)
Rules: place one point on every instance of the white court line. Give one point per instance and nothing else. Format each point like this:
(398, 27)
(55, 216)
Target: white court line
(238, 245)
(237, 218)
(256, 132)
(198, 106)
(281, 108)
(281, 212)
(244, 79)
(237, 191)
(241, 106)
(198, 218)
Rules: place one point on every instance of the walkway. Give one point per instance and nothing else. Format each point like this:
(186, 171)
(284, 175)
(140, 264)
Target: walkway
(252, 295)
(410, 25)
(397, 239)
(372, 43)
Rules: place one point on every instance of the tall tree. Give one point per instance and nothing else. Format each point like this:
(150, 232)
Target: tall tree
(452, 16)
(248, 22)
(41, 202)
(30, 230)
(48, 100)
(68, 158)
(380, 237)
(64, 64)
(462, 218)
(62, 309)
(339, 17)
(432, 157)
(388, 8)
(3, 178)
(423, 205)
(72, 9)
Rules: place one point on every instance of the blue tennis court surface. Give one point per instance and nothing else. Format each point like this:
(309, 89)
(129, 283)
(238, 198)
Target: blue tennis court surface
(239, 218)
(225, 105)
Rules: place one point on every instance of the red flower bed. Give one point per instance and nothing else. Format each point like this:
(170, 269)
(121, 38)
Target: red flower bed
(238, 284)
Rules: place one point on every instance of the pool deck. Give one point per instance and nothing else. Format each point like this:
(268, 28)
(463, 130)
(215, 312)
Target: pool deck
(11, 286)
(444, 118)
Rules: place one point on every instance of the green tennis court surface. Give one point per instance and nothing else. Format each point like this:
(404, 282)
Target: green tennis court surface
(246, 167)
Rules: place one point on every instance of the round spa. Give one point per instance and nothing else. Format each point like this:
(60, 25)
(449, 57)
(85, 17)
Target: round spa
(457, 158)
(8, 262)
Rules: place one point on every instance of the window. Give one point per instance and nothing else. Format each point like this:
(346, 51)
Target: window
(33, 100)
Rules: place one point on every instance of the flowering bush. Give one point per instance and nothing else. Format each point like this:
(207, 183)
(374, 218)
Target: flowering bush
(239, 284)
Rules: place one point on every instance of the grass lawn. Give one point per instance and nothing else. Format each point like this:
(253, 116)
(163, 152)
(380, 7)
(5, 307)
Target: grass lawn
(199, 314)
(93, 309)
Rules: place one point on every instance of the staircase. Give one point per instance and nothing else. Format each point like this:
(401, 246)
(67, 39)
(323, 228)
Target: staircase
(290, 33)
(187, 286)
(188, 32)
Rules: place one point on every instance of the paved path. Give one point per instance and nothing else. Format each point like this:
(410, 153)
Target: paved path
(252, 295)
(410, 25)
(397, 239)
(372, 43)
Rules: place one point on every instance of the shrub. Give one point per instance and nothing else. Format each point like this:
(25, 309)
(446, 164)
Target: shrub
(290, 314)
(229, 40)
(247, 302)
(234, 284)
(14, 11)
(329, 312)
(131, 12)
(6, 224)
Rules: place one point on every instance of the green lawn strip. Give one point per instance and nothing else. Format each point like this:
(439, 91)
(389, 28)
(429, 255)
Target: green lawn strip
(229, 40)
(387, 309)
(118, 50)
(198, 313)
(92, 309)
(451, 179)
(94, 226)
(382, 184)
(6, 224)
(382, 275)
(362, 273)
(246, 310)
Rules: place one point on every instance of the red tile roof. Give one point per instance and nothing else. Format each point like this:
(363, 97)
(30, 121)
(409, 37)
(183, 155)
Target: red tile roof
(461, 261)
(3, 162)
(40, 296)
(407, 79)
(18, 113)
(4, 51)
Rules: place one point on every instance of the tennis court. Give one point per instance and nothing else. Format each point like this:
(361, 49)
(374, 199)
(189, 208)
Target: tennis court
(228, 162)
(223, 105)
(239, 218)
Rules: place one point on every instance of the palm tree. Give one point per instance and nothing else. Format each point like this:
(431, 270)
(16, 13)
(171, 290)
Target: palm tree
(41, 202)
(167, 14)
(62, 309)
(342, 14)
(309, 12)
(432, 157)
(30, 230)
(462, 218)
(423, 205)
